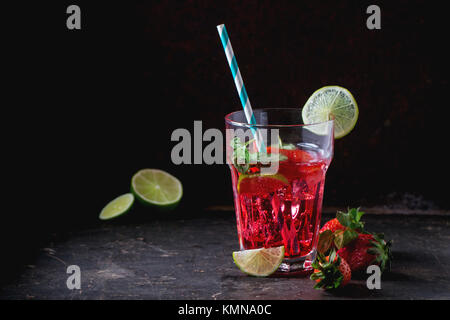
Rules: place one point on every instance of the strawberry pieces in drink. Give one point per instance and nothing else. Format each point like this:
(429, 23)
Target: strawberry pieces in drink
(295, 155)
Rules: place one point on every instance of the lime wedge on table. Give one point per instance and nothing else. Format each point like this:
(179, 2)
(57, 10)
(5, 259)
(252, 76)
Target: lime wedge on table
(332, 102)
(117, 207)
(156, 187)
(259, 262)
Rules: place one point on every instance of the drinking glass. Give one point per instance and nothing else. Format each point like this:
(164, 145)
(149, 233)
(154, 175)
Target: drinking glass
(278, 168)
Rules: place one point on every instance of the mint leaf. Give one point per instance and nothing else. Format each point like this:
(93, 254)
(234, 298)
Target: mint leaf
(235, 142)
(242, 158)
(240, 155)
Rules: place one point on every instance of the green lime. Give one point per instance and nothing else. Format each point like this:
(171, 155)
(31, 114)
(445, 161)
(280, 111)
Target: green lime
(261, 183)
(117, 207)
(157, 188)
(332, 102)
(259, 262)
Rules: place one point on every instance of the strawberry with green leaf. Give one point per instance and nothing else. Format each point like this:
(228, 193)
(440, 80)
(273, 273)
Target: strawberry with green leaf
(345, 227)
(365, 250)
(358, 247)
(345, 220)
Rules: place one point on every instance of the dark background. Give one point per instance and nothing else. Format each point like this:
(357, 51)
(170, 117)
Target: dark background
(93, 106)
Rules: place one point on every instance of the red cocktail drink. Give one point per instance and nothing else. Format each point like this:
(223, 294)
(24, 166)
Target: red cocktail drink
(284, 207)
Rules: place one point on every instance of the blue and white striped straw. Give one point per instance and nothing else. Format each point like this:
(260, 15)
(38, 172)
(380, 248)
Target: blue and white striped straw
(245, 101)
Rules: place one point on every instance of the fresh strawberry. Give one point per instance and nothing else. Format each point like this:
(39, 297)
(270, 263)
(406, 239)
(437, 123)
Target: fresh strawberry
(356, 252)
(346, 271)
(345, 220)
(360, 249)
(294, 155)
(330, 272)
(365, 250)
(297, 155)
(332, 225)
(345, 227)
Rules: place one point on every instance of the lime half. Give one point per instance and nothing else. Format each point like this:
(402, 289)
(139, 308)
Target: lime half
(332, 102)
(117, 207)
(259, 262)
(156, 187)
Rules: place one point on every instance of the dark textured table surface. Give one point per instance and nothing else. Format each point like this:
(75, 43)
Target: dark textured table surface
(191, 259)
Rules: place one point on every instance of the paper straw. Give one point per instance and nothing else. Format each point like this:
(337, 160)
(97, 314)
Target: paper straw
(245, 101)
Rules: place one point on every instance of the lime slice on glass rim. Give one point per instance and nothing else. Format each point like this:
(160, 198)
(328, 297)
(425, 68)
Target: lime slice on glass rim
(117, 207)
(332, 102)
(157, 188)
(259, 262)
